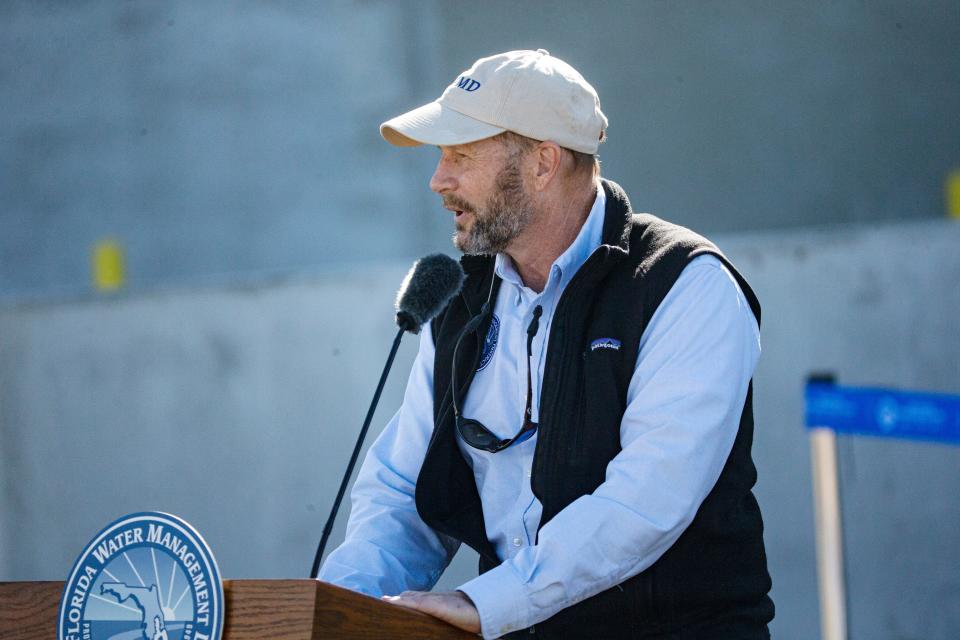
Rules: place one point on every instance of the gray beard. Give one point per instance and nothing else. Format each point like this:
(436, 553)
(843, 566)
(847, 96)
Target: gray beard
(503, 218)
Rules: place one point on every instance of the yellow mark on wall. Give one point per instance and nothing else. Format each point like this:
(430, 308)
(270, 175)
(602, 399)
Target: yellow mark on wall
(953, 194)
(109, 269)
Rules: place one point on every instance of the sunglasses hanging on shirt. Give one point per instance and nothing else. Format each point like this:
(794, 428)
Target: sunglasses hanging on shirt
(472, 431)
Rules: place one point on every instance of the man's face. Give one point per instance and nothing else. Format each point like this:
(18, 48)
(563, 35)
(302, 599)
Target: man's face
(481, 182)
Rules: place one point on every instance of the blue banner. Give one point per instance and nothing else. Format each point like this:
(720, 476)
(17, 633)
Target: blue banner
(884, 412)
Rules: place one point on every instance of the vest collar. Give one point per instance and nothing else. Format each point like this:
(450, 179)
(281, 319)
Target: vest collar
(618, 213)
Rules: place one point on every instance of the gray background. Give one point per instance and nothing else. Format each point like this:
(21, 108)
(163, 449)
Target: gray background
(222, 138)
(232, 150)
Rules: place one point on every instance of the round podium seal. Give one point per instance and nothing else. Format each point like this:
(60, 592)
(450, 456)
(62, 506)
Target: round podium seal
(146, 576)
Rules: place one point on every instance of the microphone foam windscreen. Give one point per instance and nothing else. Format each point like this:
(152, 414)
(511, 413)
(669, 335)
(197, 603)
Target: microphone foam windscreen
(429, 286)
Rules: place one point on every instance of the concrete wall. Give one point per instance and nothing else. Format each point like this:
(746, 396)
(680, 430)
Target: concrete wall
(207, 138)
(727, 116)
(236, 138)
(234, 408)
(237, 407)
(878, 306)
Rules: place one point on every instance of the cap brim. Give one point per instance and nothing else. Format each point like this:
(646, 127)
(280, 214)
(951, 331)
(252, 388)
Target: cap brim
(435, 124)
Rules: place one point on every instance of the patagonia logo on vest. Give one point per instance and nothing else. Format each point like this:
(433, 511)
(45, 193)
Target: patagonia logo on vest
(605, 343)
(467, 84)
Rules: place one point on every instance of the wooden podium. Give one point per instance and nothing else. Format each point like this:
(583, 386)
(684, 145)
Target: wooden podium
(255, 609)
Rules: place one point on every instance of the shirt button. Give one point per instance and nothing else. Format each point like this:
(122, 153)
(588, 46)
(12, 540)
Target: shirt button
(529, 473)
(517, 542)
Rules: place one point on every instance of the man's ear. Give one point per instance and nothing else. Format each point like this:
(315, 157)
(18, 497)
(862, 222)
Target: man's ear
(549, 156)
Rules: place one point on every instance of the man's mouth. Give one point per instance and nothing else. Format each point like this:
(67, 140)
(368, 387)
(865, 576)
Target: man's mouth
(456, 207)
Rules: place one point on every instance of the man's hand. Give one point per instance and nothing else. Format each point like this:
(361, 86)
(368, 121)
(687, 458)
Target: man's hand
(451, 606)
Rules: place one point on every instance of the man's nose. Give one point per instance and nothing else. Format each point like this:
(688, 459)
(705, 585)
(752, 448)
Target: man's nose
(443, 179)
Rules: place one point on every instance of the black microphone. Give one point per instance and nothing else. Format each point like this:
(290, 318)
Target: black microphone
(428, 287)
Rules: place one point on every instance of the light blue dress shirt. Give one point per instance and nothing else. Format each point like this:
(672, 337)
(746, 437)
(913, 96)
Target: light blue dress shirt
(696, 358)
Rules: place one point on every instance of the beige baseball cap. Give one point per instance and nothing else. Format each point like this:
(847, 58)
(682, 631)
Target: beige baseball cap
(527, 92)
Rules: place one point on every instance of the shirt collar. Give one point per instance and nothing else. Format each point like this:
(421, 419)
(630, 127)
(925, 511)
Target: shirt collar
(588, 239)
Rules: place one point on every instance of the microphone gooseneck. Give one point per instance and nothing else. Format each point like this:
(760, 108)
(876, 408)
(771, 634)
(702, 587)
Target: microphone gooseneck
(429, 286)
(328, 528)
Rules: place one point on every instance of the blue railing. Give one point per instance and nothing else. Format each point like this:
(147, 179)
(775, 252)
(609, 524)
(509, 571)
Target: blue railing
(885, 413)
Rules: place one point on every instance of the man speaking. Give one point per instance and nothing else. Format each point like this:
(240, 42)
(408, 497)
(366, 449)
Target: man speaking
(580, 414)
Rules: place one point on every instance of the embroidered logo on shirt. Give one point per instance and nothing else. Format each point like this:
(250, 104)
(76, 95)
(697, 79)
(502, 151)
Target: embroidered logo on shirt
(490, 343)
(605, 343)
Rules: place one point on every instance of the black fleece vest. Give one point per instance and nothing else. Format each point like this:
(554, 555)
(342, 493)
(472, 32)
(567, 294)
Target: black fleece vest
(713, 582)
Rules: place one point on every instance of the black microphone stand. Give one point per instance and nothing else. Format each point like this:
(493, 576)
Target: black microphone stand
(328, 528)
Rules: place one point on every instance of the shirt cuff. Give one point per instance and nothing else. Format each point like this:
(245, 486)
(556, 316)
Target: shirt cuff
(501, 600)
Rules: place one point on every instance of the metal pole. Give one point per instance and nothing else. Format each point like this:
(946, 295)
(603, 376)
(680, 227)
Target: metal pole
(826, 500)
